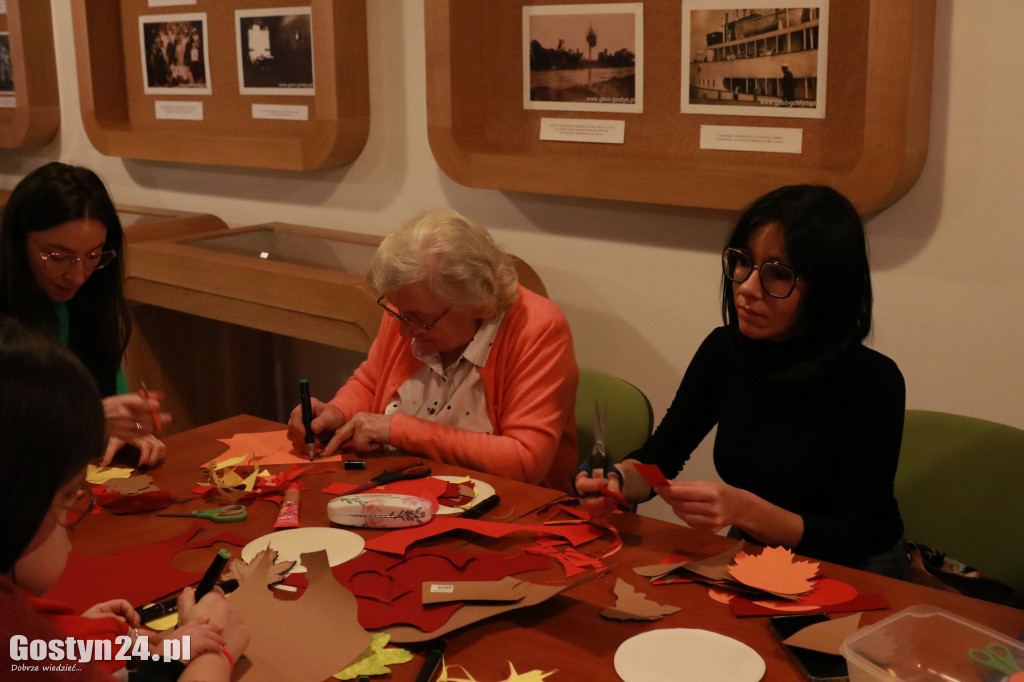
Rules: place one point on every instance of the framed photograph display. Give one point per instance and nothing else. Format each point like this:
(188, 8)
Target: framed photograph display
(29, 100)
(170, 83)
(597, 66)
(275, 51)
(750, 61)
(872, 58)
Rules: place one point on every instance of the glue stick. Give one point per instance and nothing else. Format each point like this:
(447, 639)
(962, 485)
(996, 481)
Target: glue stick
(288, 517)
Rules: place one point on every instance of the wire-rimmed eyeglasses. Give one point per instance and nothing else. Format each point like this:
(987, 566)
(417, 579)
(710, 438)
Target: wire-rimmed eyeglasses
(415, 324)
(777, 278)
(80, 507)
(59, 263)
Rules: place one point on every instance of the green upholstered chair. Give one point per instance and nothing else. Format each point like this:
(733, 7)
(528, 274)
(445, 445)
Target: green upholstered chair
(960, 486)
(627, 413)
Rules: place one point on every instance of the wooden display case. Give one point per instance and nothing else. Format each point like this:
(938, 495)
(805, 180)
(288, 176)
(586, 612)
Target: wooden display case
(34, 119)
(871, 145)
(121, 119)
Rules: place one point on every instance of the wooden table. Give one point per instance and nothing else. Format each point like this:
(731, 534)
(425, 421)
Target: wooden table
(565, 633)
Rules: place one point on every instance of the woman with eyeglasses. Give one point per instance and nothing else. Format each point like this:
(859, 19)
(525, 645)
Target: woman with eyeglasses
(62, 272)
(51, 424)
(468, 368)
(809, 420)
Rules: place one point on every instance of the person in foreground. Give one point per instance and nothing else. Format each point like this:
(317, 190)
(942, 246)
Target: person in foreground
(809, 419)
(468, 367)
(62, 273)
(51, 425)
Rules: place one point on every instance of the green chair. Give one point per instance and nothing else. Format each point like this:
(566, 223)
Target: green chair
(628, 418)
(959, 485)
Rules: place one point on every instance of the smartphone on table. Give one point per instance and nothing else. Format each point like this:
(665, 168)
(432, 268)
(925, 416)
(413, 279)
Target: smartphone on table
(815, 665)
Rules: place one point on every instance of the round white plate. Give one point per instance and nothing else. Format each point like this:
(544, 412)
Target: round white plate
(483, 491)
(341, 545)
(684, 655)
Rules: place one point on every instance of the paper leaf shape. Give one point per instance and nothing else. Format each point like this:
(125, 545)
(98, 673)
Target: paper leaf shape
(276, 571)
(309, 638)
(774, 570)
(376, 659)
(633, 605)
(100, 475)
(532, 676)
(825, 636)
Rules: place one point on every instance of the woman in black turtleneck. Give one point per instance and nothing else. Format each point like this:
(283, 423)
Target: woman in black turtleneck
(809, 419)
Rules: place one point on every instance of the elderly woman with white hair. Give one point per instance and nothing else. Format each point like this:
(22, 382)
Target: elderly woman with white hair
(468, 367)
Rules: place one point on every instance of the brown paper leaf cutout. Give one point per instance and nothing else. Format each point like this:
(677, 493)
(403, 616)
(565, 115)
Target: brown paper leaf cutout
(276, 571)
(633, 605)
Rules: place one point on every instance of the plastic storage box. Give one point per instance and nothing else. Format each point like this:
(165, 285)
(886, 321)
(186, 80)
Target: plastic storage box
(925, 644)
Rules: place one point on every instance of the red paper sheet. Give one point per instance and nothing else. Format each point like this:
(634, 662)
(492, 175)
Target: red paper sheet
(742, 606)
(398, 540)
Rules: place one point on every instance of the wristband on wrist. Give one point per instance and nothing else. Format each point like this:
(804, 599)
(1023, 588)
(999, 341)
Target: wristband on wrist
(231, 659)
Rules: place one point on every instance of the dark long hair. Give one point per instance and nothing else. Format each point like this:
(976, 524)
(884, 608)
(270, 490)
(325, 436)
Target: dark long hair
(823, 237)
(100, 325)
(51, 425)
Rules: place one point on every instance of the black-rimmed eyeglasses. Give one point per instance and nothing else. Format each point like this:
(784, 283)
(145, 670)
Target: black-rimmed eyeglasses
(415, 324)
(777, 279)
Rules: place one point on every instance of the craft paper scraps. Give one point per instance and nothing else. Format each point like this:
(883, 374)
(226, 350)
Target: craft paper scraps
(100, 475)
(713, 567)
(862, 602)
(673, 578)
(532, 676)
(774, 570)
(573, 561)
(398, 540)
(633, 605)
(270, 447)
(310, 638)
(460, 493)
(826, 592)
(651, 473)
(825, 636)
(376, 659)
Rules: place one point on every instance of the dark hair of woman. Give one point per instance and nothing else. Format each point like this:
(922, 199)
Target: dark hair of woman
(824, 240)
(51, 425)
(100, 325)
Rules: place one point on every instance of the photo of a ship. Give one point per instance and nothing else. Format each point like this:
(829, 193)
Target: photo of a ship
(754, 61)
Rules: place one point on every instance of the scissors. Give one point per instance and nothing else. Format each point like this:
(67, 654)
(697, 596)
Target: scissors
(403, 471)
(998, 658)
(598, 459)
(234, 512)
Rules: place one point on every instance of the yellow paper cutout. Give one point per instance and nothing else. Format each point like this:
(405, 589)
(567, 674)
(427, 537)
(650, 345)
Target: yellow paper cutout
(532, 676)
(775, 571)
(233, 461)
(100, 475)
(376, 659)
(168, 622)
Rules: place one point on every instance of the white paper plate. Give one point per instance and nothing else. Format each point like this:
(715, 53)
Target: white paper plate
(483, 491)
(683, 655)
(341, 545)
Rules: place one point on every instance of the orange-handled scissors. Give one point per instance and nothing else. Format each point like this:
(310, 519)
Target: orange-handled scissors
(234, 512)
(403, 471)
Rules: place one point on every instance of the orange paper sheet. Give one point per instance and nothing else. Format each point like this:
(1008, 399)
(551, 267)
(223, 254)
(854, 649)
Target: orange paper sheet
(271, 447)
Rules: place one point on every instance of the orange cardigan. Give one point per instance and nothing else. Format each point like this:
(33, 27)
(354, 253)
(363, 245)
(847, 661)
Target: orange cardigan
(530, 381)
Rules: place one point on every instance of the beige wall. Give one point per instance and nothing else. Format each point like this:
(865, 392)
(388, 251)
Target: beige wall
(639, 283)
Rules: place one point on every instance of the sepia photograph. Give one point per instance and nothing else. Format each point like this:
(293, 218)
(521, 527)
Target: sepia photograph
(583, 57)
(275, 51)
(6, 70)
(754, 61)
(175, 55)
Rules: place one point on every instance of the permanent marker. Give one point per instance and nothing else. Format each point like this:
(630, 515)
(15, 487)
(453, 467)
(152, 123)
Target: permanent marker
(307, 417)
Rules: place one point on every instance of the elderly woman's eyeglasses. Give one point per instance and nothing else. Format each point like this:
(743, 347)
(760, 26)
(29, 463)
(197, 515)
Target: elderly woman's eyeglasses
(777, 279)
(59, 263)
(80, 507)
(415, 324)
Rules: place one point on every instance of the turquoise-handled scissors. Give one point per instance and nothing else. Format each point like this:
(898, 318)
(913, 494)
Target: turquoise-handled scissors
(999, 658)
(234, 512)
(598, 459)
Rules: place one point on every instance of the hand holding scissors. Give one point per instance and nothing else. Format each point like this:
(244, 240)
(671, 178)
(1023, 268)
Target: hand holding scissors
(1000, 659)
(598, 459)
(234, 512)
(403, 471)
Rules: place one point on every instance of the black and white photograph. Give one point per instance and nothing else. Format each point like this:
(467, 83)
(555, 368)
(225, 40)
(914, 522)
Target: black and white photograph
(754, 61)
(6, 70)
(583, 57)
(275, 51)
(175, 54)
